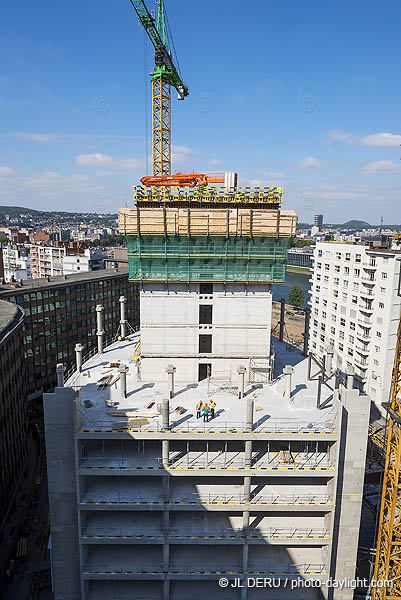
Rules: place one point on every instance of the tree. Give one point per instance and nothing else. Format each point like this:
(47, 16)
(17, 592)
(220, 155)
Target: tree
(296, 296)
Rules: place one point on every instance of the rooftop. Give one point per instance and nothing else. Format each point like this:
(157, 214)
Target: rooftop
(9, 316)
(43, 283)
(104, 409)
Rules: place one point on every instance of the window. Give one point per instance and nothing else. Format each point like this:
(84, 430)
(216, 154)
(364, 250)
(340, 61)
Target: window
(206, 289)
(352, 326)
(347, 256)
(346, 270)
(378, 334)
(377, 348)
(382, 290)
(323, 327)
(355, 286)
(323, 315)
(326, 267)
(344, 296)
(318, 277)
(376, 363)
(336, 281)
(318, 288)
(318, 265)
(335, 305)
(338, 255)
(351, 339)
(324, 302)
(350, 352)
(345, 283)
(333, 330)
(384, 275)
(357, 272)
(205, 314)
(315, 323)
(335, 293)
(205, 344)
(341, 347)
(316, 311)
(342, 322)
(341, 334)
(357, 258)
(322, 338)
(320, 252)
(337, 268)
(326, 279)
(381, 304)
(354, 299)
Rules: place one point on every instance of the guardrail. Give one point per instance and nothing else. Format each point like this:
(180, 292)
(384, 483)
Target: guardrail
(274, 499)
(195, 568)
(297, 463)
(271, 426)
(270, 533)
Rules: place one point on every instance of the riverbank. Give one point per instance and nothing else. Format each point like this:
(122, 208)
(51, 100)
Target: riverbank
(302, 270)
(294, 324)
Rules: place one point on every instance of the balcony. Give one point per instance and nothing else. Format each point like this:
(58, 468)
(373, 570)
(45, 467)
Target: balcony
(362, 348)
(366, 293)
(361, 362)
(368, 265)
(368, 308)
(363, 336)
(368, 279)
(364, 321)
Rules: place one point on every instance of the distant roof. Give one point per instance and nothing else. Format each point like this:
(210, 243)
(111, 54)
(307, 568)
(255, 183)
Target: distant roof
(34, 284)
(9, 316)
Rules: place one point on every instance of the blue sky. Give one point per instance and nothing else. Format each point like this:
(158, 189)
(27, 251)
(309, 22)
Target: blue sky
(304, 95)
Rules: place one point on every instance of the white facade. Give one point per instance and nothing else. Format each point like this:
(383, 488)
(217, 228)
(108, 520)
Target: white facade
(91, 260)
(16, 265)
(355, 307)
(46, 261)
(190, 325)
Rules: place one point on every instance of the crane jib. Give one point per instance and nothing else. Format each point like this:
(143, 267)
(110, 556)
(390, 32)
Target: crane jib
(148, 23)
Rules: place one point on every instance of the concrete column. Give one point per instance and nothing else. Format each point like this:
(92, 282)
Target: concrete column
(350, 378)
(249, 414)
(123, 380)
(170, 370)
(329, 359)
(248, 453)
(241, 382)
(166, 589)
(78, 356)
(59, 409)
(166, 414)
(306, 332)
(100, 332)
(165, 453)
(354, 426)
(123, 321)
(282, 319)
(245, 519)
(60, 368)
(247, 488)
(288, 371)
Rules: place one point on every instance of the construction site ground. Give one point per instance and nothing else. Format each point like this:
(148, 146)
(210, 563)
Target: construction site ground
(294, 324)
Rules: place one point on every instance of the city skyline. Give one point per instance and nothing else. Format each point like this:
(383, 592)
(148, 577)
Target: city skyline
(73, 123)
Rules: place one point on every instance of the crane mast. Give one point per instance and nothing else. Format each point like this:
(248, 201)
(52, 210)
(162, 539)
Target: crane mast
(387, 571)
(165, 75)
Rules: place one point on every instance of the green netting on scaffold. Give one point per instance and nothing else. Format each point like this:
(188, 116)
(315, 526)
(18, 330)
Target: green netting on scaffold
(201, 258)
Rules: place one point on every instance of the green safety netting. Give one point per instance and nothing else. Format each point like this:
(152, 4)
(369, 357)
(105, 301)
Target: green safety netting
(186, 259)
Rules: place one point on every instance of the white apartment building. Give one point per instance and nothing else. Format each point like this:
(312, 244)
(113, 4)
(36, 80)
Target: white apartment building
(17, 264)
(46, 261)
(355, 308)
(91, 260)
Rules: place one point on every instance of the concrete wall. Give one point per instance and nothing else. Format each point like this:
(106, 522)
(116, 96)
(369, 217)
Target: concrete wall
(350, 479)
(170, 328)
(59, 425)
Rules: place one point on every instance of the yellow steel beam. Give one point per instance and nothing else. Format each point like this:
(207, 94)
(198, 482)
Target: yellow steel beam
(387, 571)
(161, 127)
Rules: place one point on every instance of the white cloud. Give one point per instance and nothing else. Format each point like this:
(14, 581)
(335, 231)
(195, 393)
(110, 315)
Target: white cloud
(340, 136)
(382, 140)
(382, 167)
(7, 171)
(277, 175)
(35, 137)
(215, 162)
(181, 154)
(104, 161)
(102, 173)
(312, 163)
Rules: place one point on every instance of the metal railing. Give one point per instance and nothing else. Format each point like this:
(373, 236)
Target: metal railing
(199, 499)
(199, 532)
(196, 568)
(270, 426)
(218, 462)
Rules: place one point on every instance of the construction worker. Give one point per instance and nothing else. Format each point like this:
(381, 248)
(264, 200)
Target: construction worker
(212, 407)
(199, 407)
(206, 411)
